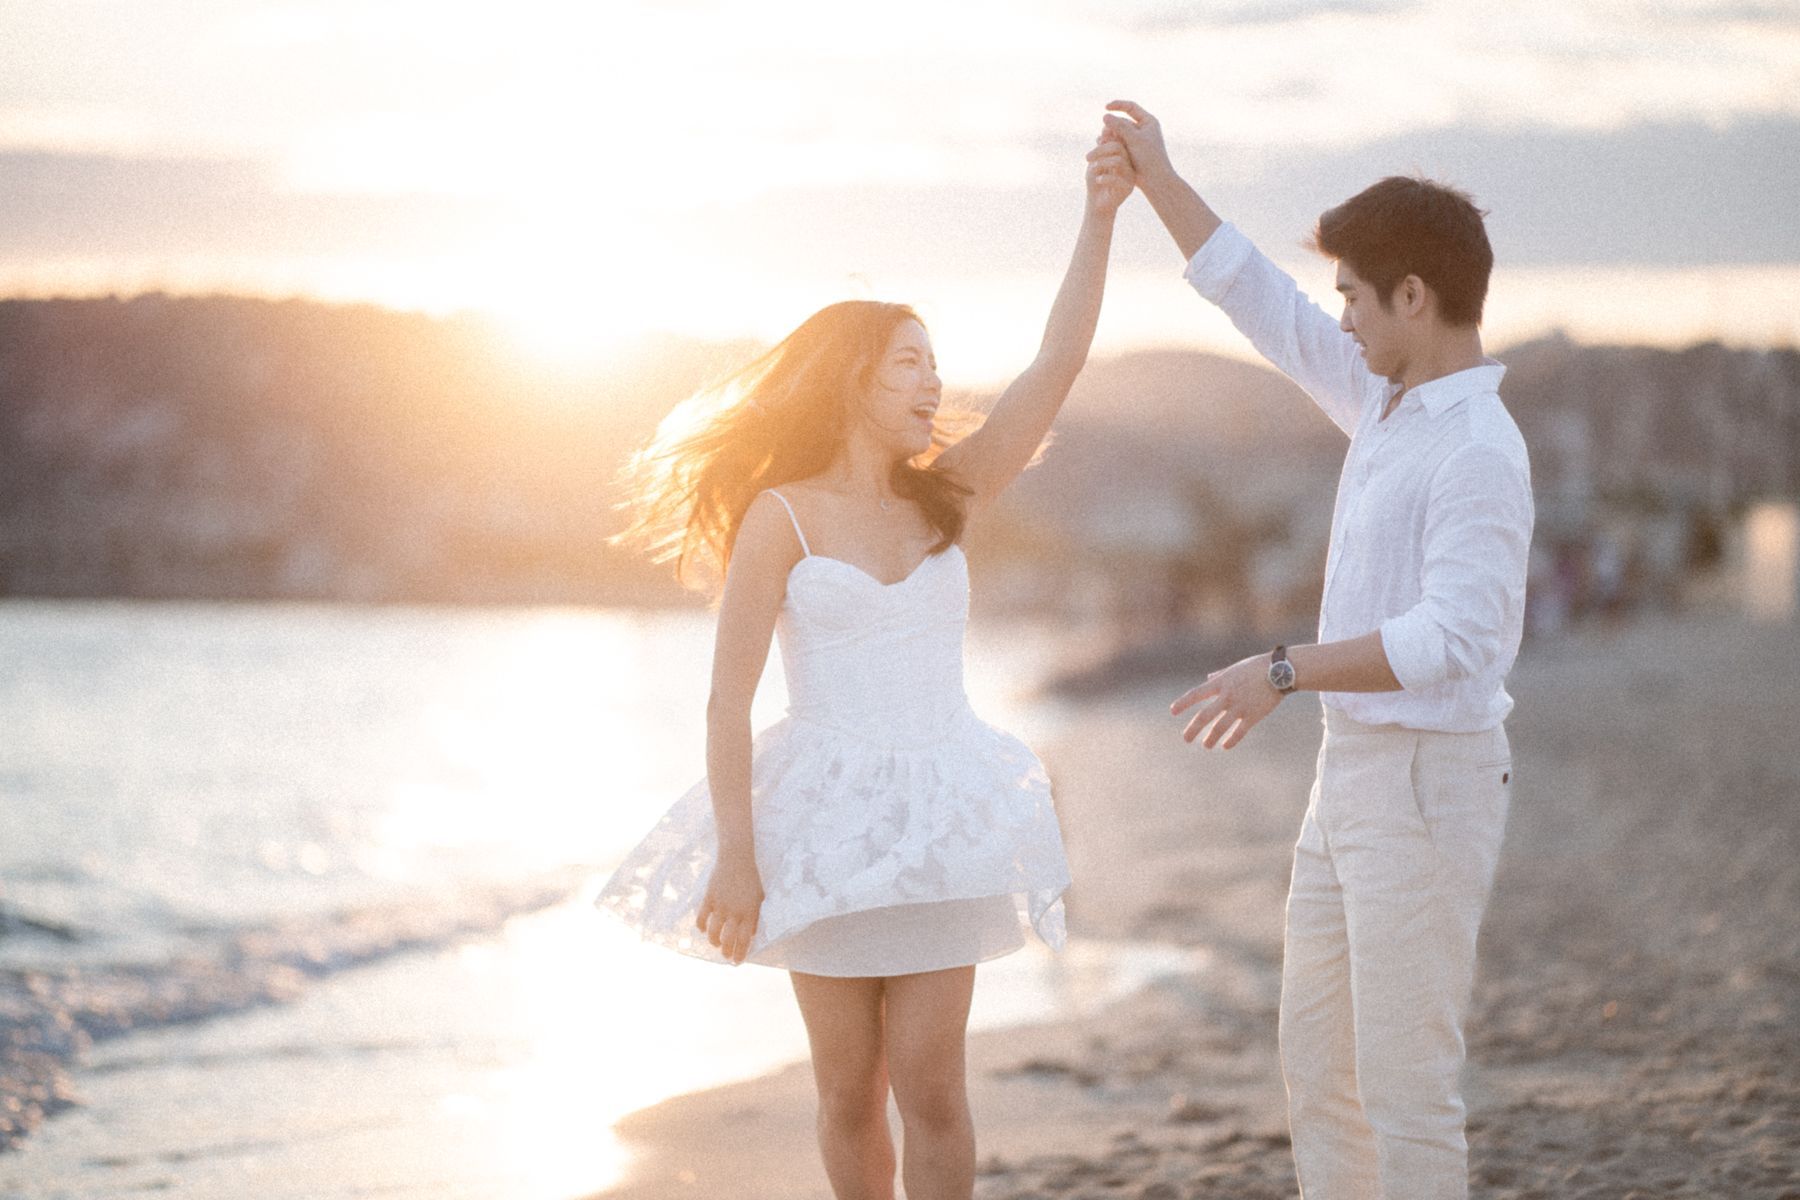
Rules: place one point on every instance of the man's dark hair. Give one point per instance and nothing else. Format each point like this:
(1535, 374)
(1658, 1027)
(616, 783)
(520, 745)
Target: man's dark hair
(1405, 226)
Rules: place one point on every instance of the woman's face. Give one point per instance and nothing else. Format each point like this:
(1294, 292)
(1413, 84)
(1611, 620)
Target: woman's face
(904, 391)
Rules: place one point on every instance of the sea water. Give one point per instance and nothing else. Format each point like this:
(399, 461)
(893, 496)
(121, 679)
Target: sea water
(298, 896)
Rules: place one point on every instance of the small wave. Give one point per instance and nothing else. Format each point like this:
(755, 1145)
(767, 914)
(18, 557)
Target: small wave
(45, 872)
(49, 1016)
(287, 1052)
(14, 923)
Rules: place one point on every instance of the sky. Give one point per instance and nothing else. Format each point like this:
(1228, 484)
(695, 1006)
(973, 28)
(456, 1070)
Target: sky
(591, 172)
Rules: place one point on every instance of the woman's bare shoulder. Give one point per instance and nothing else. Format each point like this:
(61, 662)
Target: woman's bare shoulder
(812, 487)
(814, 498)
(767, 527)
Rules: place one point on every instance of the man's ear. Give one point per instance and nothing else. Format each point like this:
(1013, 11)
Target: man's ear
(1412, 297)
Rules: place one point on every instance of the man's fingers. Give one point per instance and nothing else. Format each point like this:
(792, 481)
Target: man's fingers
(1208, 708)
(1224, 725)
(1202, 718)
(715, 925)
(1193, 696)
(1131, 108)
(1226, 722)
(1186, 700)
(1237, 734)
(705, 912)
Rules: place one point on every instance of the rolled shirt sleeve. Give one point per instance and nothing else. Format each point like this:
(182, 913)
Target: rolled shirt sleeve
(1304, 342)
(1476, 541)
(1215, 266)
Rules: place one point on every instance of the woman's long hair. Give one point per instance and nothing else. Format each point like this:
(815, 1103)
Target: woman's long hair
(782, 417)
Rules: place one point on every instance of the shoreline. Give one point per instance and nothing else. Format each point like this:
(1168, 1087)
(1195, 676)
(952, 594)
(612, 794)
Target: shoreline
(1636, 1021)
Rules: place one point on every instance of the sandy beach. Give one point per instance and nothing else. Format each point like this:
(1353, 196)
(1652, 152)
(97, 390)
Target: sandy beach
(1636, 1020)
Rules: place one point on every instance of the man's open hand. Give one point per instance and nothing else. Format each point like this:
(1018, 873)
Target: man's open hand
(1232, 701)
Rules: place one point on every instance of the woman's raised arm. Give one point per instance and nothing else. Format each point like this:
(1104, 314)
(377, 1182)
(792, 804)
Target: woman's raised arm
(992, 457)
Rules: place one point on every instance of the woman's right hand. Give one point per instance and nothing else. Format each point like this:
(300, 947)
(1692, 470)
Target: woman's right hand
(733, 905)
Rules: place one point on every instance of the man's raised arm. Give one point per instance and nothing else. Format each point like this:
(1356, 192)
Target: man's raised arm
(1262, 300)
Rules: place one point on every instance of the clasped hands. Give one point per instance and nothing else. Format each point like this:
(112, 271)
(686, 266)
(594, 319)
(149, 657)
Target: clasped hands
(1130, 146)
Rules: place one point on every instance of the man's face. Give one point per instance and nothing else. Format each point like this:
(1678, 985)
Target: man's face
(1377, 329)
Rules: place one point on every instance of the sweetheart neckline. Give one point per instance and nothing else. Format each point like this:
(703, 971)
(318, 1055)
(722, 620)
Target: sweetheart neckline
(898, 582)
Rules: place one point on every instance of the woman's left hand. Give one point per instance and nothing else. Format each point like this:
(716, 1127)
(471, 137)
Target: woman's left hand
(1110, 177)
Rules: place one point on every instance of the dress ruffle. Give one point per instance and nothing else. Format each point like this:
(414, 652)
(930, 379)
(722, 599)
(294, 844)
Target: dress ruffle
(845, 824)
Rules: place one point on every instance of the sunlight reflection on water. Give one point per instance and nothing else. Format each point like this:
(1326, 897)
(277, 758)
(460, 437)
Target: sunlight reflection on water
(197, 771)
(617, 1025)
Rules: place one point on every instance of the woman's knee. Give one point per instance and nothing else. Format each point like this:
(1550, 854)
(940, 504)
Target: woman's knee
(852, 1105)
(927, 1016)
(932, 1099)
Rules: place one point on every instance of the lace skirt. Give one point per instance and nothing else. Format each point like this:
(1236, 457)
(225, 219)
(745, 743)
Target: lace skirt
(875, 859)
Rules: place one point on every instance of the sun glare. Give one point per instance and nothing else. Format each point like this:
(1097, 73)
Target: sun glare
(573, 281)
(579, 172)
(572, 326)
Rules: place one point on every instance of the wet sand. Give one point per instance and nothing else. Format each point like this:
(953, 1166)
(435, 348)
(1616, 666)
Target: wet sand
(1636, 1021)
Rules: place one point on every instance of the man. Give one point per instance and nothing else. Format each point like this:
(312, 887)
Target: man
(1420, 621)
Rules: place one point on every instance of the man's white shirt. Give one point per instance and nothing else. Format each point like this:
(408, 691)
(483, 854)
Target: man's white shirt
(1432, 528)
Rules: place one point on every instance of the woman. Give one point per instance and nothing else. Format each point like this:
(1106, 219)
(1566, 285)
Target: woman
(881, 839)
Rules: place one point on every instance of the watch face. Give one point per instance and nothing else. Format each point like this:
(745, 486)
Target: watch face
(1281, 675)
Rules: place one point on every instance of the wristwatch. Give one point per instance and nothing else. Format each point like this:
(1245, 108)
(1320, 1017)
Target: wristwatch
(1281, 671)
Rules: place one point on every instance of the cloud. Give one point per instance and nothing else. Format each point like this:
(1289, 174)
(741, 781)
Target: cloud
(1778, 14)
(1661, 195)
(1169, 17)
(1654, 195)
(55, 204)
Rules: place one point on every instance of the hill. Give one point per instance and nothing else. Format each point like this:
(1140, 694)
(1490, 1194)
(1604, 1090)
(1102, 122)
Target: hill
(237, 448)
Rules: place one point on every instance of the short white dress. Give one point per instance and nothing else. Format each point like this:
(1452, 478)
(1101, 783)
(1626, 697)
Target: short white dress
(895, 830)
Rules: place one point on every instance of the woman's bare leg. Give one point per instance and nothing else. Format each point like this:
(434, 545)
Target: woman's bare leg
(927, 1024)
(845, 1027)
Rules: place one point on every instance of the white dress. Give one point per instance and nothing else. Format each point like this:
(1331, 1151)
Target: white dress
(895, 830)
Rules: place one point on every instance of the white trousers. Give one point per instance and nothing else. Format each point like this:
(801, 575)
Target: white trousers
(1391, 874)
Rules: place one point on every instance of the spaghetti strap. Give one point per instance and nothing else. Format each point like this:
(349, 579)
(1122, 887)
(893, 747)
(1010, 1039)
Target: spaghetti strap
(804, 548)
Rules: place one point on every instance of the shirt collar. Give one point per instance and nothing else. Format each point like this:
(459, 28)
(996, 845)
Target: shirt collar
(1444, 393)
